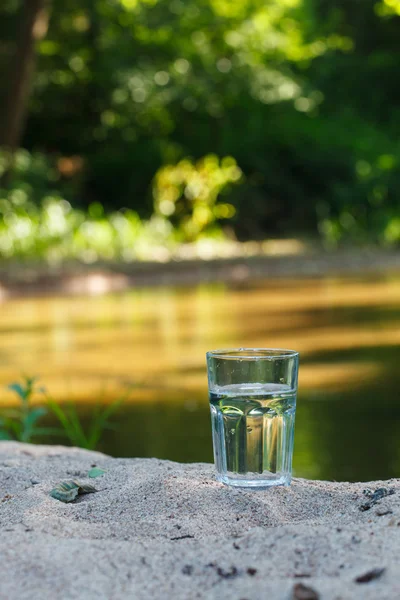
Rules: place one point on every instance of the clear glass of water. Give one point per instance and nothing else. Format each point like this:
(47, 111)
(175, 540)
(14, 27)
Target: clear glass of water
(253, 404)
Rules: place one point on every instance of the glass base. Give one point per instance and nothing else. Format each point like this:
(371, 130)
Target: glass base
(260, 483)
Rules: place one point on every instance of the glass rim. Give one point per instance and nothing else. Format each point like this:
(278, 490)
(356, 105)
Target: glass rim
(252, 353)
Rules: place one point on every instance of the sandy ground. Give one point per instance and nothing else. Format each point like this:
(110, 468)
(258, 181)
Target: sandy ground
(159, 530)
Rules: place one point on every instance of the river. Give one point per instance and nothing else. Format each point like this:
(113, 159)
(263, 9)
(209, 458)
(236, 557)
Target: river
(148, 345)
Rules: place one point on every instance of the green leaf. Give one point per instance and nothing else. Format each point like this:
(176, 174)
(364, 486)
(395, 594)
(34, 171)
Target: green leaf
(34, 415)
(19, 390)
(77, 426)
(28, 422)
(4, 435)
(15, 427)
(5, 422)
(70, 423)
(67, 491)
(96, 472)
(89, 436)
(58, 411)
(100, 422)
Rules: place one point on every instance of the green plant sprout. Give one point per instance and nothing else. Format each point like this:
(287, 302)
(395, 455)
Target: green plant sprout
(22, 423)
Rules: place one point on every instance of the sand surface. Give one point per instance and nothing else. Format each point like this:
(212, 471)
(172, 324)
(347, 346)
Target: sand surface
(159, 530)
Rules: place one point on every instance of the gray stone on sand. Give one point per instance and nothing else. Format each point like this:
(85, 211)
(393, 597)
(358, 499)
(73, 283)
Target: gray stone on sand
(160, 530)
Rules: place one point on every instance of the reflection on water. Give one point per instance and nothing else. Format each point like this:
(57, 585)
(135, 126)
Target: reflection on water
(347, 331)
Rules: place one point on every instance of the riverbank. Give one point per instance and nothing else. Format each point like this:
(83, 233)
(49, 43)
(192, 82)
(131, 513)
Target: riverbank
(157, 529)
(280, 261)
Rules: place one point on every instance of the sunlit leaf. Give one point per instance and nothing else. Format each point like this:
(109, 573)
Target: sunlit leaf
(95, 472)
(19, 390)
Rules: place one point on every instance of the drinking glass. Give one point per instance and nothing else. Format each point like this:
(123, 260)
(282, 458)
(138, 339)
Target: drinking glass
(253, 404)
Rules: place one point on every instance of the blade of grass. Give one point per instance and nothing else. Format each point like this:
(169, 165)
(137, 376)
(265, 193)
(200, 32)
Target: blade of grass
(79, 432)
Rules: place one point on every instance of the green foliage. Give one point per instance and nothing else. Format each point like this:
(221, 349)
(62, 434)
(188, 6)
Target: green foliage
(95, 472)
(301, 93)
(84, 437)
(187, 194)
(186, 206)
(37, 222)
(21, 423)
(387, 7)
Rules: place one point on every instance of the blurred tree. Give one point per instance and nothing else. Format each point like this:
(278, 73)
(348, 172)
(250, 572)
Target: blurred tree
(32, 28)
(132, 85)
(188, 195)
(301, 93)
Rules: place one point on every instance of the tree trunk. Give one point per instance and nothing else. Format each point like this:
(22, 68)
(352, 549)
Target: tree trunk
(33, 27)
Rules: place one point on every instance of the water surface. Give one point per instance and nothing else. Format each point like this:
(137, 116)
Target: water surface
(87, 349)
